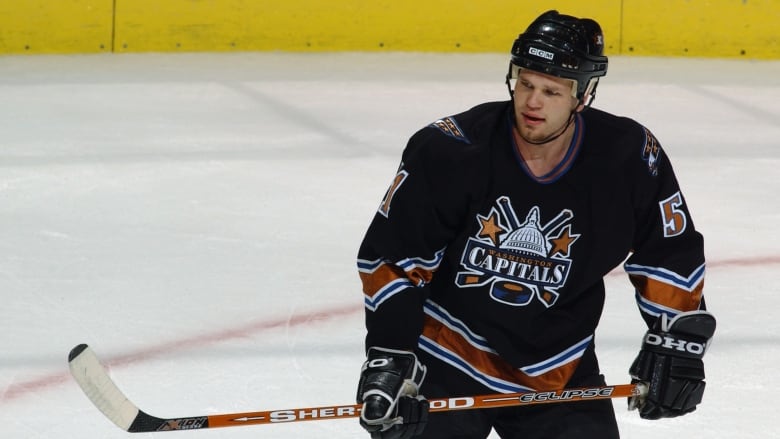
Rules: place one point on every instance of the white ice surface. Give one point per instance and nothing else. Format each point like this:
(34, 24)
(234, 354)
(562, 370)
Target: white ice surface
(195, 219)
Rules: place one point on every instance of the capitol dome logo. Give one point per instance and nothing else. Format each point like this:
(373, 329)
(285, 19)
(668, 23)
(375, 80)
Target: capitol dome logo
(519, 260)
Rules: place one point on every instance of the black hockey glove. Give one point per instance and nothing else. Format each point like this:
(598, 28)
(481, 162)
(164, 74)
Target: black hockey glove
(670, 364)
(388, 389)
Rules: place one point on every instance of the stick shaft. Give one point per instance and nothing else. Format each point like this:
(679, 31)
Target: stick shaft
(437, 405)
(93, 379)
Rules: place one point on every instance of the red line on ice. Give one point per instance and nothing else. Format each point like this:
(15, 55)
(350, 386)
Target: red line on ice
(18, 390)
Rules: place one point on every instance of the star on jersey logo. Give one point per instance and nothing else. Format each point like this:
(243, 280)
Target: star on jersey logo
(519, 260)
(563, 242)
(490, 228)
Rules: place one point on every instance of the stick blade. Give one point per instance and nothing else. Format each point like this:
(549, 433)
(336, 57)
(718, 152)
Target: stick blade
(93, 379)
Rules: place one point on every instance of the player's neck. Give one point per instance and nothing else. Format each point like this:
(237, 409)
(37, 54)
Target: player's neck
(542, 159)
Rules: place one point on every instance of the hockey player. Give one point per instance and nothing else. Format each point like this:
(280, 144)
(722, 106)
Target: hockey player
(483, 268)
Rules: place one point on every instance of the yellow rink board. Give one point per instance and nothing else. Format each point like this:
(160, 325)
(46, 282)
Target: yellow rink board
(306, 25)
(702, 28)
(56, 26)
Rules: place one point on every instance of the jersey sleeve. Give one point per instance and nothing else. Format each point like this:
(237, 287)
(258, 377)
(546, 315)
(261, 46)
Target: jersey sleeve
(407, 239)
(667, 264)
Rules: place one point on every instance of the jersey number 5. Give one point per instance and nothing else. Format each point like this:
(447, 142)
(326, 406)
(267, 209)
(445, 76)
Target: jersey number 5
(673, 216)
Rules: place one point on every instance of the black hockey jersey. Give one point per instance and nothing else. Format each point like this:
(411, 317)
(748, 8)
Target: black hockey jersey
(499, 272)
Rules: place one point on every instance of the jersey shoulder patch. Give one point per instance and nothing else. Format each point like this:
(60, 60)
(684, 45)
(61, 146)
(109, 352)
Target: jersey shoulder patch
(651, 152)
(449, 126)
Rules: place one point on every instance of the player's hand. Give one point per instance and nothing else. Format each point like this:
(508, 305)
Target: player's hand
(670, 364)
(389, 390)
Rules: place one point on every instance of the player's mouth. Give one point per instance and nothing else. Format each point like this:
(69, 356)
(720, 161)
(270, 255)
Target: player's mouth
(532, 120)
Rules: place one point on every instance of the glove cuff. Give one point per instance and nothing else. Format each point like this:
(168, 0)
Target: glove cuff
(686, 335)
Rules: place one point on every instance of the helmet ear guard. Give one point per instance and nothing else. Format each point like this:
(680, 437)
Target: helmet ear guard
(590, 92)
(562, 46)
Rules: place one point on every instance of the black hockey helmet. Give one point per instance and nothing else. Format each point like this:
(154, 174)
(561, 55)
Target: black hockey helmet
(563, 46)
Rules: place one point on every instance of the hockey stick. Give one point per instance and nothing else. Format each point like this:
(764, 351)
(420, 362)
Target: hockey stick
(93, 379)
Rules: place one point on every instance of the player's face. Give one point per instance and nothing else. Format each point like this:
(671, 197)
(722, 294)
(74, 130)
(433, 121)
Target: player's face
(543, 104)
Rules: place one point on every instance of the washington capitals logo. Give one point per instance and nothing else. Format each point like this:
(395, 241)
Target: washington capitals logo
(520, 261)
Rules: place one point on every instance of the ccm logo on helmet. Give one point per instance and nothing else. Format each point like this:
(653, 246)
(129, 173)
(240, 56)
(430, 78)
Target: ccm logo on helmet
(677, 344)
(541, 53)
